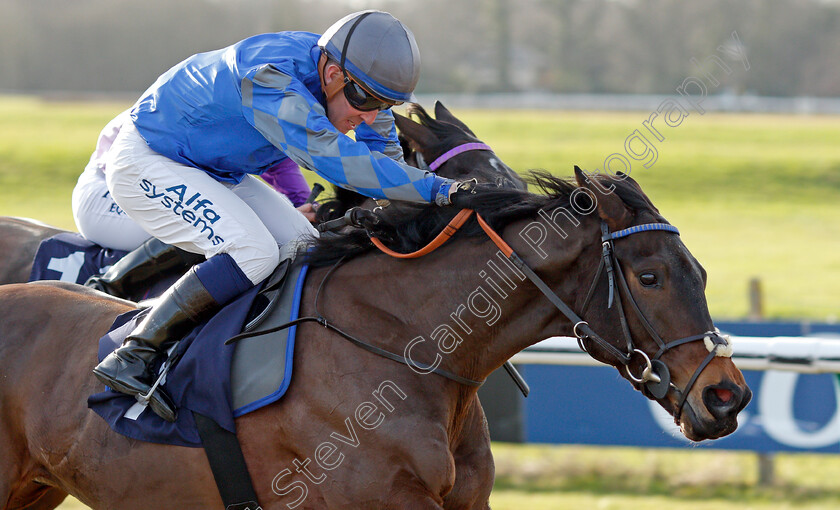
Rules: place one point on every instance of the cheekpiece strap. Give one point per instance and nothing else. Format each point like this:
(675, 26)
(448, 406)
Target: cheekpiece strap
(606, 257)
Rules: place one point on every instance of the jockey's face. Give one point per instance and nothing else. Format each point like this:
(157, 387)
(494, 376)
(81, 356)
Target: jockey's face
(343, 116)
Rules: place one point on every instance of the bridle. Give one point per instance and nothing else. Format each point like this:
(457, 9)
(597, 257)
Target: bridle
(655, 377)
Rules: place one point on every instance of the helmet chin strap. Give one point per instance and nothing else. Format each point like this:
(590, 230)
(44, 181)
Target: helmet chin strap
(332, 88)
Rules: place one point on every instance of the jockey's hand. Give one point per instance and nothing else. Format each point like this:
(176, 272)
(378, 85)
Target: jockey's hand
(308, 210)
(460, 191)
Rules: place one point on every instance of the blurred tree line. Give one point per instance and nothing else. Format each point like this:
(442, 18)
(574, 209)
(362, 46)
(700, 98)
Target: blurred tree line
(474, 46)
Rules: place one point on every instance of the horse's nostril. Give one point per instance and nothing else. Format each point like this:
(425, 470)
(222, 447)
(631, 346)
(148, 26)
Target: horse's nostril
(723, 395)
(721, 401)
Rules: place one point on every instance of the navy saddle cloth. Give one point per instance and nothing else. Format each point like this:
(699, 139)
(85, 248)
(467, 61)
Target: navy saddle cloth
(219, 381)
(69, 257)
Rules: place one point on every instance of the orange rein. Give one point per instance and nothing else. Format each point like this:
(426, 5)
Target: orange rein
(447, 232)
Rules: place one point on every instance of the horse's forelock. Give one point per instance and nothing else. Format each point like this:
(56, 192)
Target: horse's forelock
(629, 191)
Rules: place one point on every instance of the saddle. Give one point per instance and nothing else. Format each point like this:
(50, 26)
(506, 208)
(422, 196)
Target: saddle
(261, 369)
(216, 380)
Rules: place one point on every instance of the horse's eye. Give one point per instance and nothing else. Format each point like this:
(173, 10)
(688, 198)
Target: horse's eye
(648, 279)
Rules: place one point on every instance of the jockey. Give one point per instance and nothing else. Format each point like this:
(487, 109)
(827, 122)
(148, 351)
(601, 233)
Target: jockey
(183, 167)
(100, 219)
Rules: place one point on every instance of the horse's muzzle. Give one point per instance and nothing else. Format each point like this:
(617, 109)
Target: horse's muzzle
(722, 404)
(726, 400)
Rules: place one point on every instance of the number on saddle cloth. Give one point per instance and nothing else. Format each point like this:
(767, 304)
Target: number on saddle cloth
(69, 257)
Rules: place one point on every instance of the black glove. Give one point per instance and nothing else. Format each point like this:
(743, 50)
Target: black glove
(458, 193)
(355, 217)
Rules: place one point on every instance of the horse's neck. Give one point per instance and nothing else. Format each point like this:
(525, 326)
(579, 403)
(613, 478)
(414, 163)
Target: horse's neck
(464, 303)
(527, 315)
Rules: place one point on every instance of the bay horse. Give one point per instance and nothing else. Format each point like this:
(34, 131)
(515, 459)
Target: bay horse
(427, 138)
(356, 430)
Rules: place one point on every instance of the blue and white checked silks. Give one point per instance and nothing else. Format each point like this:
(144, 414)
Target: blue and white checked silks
(242, 109)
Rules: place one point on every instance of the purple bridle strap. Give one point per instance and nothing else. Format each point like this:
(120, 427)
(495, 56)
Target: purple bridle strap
(446, 156)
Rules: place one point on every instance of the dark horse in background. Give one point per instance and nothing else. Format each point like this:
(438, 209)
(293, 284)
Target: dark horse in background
(19, 240)
(425, 140)
(407, 439)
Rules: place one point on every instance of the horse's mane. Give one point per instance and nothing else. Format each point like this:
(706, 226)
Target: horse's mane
(406, 228)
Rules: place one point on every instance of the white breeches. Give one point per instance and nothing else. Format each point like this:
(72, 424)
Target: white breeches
(97, 216)
(186, 207)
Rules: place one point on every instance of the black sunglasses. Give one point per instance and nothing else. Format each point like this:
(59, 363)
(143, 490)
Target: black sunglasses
(361, 99)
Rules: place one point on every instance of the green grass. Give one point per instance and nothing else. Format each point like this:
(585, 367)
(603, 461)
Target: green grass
(44, 146)
(587, 477)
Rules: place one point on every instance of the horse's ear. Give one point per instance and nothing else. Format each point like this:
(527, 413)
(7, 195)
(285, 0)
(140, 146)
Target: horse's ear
(419, 136)
(443, 114)
(611, 208)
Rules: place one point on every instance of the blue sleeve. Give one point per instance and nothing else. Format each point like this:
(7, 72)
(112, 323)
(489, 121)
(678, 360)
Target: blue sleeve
(286, 113)
(381, 136)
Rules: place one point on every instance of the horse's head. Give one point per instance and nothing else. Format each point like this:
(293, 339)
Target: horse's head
(424, 142)
(648, 302)
(624, 270)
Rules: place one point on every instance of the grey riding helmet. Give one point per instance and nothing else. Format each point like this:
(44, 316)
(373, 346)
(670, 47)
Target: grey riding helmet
(381, 53)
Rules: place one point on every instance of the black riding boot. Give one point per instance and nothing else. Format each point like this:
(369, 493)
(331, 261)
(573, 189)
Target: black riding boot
(132, 273)
(129, 369)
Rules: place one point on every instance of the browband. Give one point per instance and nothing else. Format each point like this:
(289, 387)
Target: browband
(451, 153)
